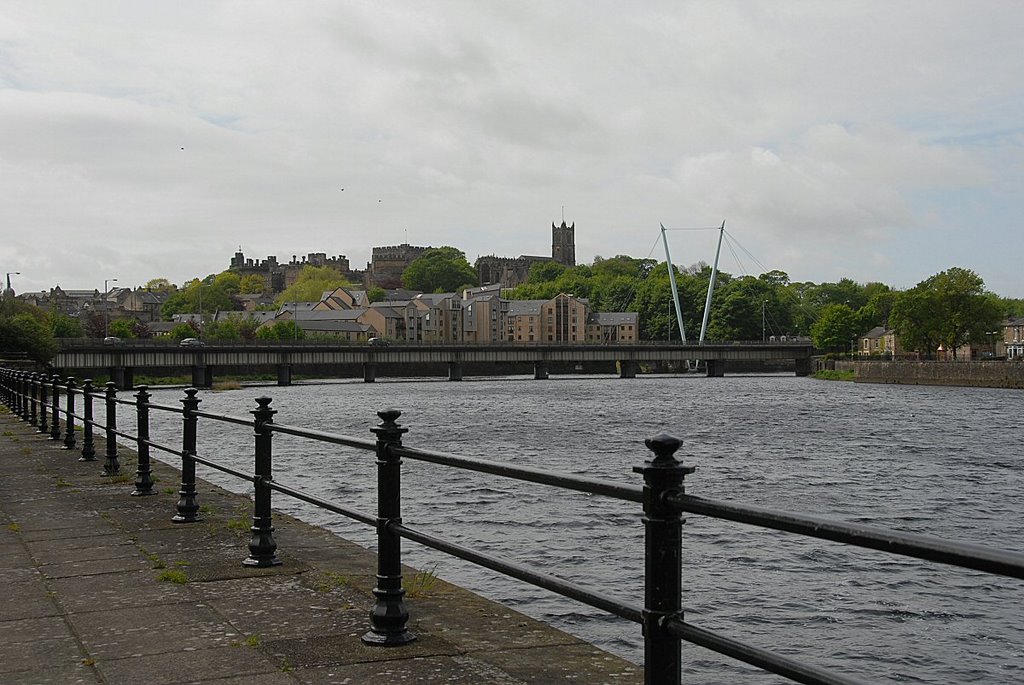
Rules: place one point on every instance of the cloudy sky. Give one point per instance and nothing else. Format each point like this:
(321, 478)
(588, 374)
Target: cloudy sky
(872, 140)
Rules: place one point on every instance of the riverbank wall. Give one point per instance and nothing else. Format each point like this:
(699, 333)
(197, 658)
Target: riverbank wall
(986, 374)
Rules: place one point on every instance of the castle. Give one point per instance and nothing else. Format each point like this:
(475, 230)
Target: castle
(388, 263)
(279, 276)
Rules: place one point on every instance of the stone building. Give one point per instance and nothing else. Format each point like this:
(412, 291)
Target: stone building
(513, 271)
(277, 276)
(388, 263)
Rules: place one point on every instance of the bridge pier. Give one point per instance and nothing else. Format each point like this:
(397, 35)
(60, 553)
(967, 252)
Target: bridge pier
(284, 374)
(715, 368)
(803, 366)
(123, 377)
(369, 372)
(540, 371)
(455, 371)
(627, 368)
(202, 376)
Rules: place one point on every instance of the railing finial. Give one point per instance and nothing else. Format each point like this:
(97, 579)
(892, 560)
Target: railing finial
(664, 447)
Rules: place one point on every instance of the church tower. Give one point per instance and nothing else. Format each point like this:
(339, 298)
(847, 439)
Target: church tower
(563, 244)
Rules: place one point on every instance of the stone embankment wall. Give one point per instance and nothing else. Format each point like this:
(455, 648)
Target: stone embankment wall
(989, 374)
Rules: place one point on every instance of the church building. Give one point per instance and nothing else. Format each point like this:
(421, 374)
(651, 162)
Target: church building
(510, 272)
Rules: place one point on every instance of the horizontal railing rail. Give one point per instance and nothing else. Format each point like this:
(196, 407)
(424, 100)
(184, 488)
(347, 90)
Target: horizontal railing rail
(929, 548)
(36, 398)
(568, 481)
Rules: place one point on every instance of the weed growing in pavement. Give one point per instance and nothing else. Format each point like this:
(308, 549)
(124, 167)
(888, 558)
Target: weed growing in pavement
(173, 576)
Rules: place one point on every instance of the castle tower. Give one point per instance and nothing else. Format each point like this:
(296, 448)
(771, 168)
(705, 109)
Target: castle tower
(563, 244)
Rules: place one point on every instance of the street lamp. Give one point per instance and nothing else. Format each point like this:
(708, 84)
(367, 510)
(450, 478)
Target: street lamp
(764, 306)
(200, 309)
(106, 306)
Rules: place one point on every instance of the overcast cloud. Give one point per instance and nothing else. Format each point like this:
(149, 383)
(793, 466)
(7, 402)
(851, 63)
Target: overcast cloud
(873, 140)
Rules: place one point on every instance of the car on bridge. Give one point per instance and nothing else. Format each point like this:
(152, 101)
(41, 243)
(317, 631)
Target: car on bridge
(191, 342)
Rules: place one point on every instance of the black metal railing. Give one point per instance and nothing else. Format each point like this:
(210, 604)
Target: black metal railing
(35, 398)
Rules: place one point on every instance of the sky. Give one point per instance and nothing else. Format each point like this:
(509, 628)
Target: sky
(873, 140)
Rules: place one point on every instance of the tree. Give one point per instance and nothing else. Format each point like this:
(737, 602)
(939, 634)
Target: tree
(439, 270)
(228, 281)
(93, 324)
(376, 294)
(64, 326)
(950, 309)
(311, 284)
(208, 294)
(281, 330)
(775, 277)
(252, 284)
(228, 329)
(738, 309)
(655, 306)
(543, 272)
(123, 328)
(186, 329)
(160, 285)
(967, 312)
(878, 309)
(836, 328)
(28, 333)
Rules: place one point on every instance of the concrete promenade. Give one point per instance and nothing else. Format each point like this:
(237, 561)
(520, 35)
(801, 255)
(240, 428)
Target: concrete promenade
(101, 587)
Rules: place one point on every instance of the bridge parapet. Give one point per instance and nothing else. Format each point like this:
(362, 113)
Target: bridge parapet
(124, 360)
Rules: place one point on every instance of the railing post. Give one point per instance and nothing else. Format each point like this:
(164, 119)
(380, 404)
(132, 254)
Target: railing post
(33, 397)
(111, 467)
(663, 567)
(188, 509)
(22, 410)
(88, 446)
(389, 616)
(144, 474)
(69, 421)
(55, 408)
(262, 547)
(43, 407)
(26, 397)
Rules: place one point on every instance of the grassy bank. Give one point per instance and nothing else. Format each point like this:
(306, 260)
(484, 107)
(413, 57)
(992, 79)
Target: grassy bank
(827, 375)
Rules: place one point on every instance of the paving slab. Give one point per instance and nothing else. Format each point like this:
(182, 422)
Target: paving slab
(450, 670)
(47, 674)
(117, 591)
(139, 631)
(24, 657)
(187, 666)
(296, 607)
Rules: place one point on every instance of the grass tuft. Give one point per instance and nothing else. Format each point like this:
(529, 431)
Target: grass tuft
(173, 576)
(422, 583)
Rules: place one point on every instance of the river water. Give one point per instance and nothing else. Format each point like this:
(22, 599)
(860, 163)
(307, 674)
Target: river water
(935, 460)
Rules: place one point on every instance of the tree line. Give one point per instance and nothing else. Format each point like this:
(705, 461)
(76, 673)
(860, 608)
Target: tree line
(950, 309)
